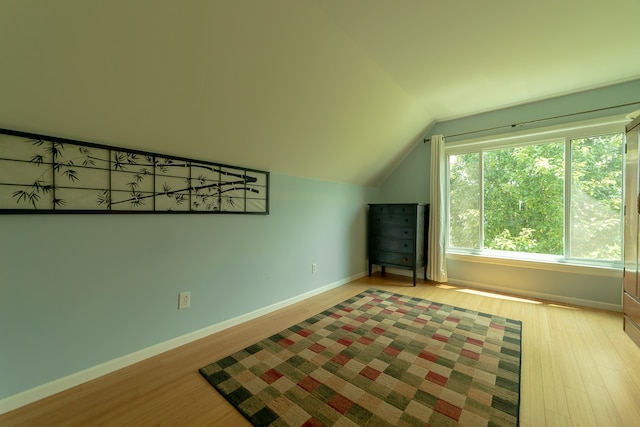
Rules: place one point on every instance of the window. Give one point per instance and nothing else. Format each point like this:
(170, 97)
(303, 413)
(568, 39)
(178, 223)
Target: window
(555, 198)
(596, 197)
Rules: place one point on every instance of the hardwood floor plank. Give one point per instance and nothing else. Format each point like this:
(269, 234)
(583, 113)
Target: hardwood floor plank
(553, 419)
(580, 410)
(532, 412)
(555, 400)
(605, 414)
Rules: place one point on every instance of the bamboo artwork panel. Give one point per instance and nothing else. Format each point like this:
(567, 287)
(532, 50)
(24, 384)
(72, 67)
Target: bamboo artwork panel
(44, 174)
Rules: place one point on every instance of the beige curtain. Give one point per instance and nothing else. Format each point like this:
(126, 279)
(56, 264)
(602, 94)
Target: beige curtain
(436, 260)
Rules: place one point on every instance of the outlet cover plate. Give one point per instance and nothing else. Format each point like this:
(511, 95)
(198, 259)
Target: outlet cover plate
(184, 300)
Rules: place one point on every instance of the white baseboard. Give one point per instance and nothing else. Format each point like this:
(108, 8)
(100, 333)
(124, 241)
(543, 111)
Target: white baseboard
(48, 389)
(538, 295)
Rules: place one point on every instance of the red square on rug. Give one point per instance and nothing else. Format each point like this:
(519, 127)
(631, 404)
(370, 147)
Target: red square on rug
(446, 408)
(370, 373)
(340, 403)
(271, 376)
(309, 384)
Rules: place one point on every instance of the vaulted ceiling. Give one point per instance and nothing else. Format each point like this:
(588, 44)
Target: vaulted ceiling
(329, 89)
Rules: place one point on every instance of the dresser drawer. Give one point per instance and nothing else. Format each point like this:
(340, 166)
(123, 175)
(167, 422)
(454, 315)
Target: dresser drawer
(394, 231)
(395, 258)
(397, 219)
(631, 308)
(393, 244)
(392, 209)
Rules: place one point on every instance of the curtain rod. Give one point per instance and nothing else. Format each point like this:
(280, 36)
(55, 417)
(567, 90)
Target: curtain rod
(537, 120)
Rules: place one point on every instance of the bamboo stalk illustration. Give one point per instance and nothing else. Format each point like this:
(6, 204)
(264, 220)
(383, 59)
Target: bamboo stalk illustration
(122, 161)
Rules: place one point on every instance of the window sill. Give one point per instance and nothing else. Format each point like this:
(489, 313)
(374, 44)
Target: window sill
(549, 265)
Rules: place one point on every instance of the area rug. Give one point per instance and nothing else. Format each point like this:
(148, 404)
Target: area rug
(379, 359)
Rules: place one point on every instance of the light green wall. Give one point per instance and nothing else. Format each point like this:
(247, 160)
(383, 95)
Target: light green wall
(593, 288)
(80, 290)
(410, 183)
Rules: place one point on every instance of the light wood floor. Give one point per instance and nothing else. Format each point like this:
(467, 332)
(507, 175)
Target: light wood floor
(578, 368)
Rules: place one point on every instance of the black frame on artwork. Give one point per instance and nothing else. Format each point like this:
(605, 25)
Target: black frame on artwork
(47, 174)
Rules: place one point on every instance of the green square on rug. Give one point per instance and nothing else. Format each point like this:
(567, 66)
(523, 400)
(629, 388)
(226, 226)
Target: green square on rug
(379, 359)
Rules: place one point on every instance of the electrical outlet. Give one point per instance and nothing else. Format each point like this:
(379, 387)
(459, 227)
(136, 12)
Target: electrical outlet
(314, 268)
(184, 300)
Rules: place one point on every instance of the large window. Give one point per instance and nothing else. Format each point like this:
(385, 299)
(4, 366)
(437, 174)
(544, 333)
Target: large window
(556, 198)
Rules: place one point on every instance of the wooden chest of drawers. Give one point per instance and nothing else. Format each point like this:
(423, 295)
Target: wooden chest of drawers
(396, 236)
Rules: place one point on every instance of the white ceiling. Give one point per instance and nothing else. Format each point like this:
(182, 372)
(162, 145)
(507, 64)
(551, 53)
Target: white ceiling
(329, 89)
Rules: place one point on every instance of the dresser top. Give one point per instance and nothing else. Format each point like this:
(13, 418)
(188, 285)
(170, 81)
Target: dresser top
(397, 204)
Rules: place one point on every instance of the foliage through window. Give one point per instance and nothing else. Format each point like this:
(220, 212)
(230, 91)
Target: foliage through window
(559, 198)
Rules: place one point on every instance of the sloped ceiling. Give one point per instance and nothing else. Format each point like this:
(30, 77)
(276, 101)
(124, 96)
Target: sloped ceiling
(328, 89)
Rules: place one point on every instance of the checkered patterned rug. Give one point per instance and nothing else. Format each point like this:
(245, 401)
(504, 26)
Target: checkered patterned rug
(379, 359)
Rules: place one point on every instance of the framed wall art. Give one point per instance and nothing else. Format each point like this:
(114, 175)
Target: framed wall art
(45, 174)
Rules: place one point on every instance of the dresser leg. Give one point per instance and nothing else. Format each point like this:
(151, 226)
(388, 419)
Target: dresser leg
(414, 277)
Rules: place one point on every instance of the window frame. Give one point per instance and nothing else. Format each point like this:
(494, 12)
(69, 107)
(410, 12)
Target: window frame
(565, 133)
